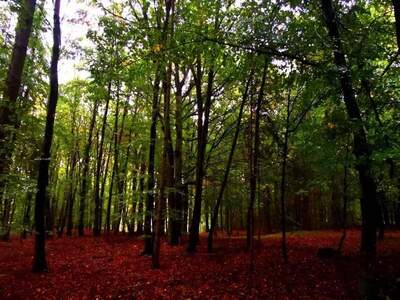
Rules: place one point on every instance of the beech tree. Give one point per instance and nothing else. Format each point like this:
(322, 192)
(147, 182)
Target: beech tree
(180, 118)
(39, 261)
(11, 89)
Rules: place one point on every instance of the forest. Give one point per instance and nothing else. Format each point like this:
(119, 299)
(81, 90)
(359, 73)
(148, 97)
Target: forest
(200, 149)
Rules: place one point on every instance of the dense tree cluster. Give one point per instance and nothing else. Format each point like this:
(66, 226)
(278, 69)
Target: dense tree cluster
(206, 115)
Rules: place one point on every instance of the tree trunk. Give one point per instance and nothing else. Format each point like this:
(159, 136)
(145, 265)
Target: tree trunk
(114, 170)
(8, 107)
(97, 196)
(8, 217)
(158, 217)
(39, 261)
(142, 174)
(283, 189)
(5, 221)
(362, 153)
(174, 218)
(148, 245)
(254, 161)
(345, 201)
(185, 207)
(361, 147)
(228, 167)
(71, 193)
(85, 172)
(121, 176)
(178, 156)
(27, 215)
(203, 111)
(167, 162)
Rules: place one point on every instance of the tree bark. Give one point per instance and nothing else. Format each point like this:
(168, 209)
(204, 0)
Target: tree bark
(362, 152)
(27, 215)
(178, 155)
(8, 117)
(71, 192)
(228, 167)
(115, 168)
(283, 185)
(254, 160)
(159, 207)
(72, 177)
(345, 201)
(148, 245)
(362, 149)
(97, 196)
(39, 261)
(202, 134)
(167, 162)
(142, 174)
(121, 174)
(85, 172)
(174, 223)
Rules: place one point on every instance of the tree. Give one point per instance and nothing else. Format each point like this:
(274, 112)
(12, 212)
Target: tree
(85, 172)
(8, 107)
(228, 167)
(98, 196)
(254, 153)
(39, 261)
(362, 149)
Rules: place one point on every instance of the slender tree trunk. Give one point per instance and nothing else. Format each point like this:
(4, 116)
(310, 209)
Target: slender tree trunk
(250, 152)
(381, 195)
(27, 215)
(283, 190)
(178, 155)
(8, 216)
(167, 163)
(362, 152)
(114, 170)
(361, 146)
(121, 176)
(85, 172)
(267, 210)
(228, 167)
(206, 215)
(51, 199)
(148, 245)
(104, 174)
(97, 196)
(110, 187)
(71, 194)
(39, 261)
(5, 222)
(158, 217)
(133, 218)
(8, 107)
(254, 161)
(142, 174)
(345, 201)
(185, 207)
(202, 133)
(174, 223)
(62, 213)
(283, 178)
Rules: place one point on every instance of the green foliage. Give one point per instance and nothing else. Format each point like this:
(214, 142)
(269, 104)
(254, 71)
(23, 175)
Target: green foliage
(233, 40)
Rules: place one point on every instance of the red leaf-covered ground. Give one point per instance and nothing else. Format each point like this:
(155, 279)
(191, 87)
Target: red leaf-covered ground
(111, 268)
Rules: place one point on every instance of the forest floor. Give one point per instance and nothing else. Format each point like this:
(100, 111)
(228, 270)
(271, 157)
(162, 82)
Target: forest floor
(111, 268)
